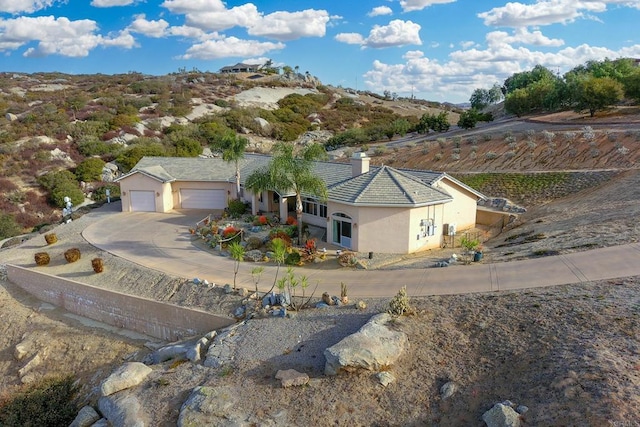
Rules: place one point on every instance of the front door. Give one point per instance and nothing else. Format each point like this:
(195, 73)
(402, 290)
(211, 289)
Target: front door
(342, 230)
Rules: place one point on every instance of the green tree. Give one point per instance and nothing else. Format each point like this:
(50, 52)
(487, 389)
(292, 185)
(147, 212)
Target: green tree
(237, 253)
(90, 169)
(233, 148)
(468, 119)
(517, 102)
(291, 170)
(188, 147)
(479, 99)
(597, 93)
(279, 248)
(632, 85)
(132, 155)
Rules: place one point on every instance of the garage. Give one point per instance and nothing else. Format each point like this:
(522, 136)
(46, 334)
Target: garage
(202, 199)
(143, 201)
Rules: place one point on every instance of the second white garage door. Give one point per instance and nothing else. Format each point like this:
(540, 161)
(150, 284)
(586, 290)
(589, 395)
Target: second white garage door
(202, 199)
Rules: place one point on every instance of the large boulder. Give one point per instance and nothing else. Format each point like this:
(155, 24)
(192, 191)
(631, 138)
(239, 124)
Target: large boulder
(126, 376)
(86, 417)
(123, 411)
(374, 347)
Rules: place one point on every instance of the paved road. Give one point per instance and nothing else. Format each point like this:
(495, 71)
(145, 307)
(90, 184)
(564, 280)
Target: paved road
(162, 242)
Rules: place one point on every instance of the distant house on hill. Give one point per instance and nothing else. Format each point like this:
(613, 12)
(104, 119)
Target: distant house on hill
(240, 68)
(368, 208)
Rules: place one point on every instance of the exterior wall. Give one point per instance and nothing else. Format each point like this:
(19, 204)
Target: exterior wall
(153, 318)
(462, 210)
(139, 181)
(177, 185)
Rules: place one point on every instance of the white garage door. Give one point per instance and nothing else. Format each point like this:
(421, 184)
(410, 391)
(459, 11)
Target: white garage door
(202, 199)
(143, 201)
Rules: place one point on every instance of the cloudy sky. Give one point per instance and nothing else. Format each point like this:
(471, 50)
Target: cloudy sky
(438, 50)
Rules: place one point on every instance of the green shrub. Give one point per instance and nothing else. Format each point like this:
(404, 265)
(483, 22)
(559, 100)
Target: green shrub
(237, 208)
(8, 226)
(90, 169)
(49, 402)
(293, 258)
(100, 193)
(400, 305)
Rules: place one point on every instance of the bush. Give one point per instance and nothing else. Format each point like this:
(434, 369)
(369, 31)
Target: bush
(90, 170)
(100, 193)
(72, 255)
(48, 402)
(8, 226)
(237, 208)
(42, 258)
(280, 234)
(293, 258)
(51, 238)
(98, 265)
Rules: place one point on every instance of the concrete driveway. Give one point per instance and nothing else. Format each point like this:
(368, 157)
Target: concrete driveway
(161, 241)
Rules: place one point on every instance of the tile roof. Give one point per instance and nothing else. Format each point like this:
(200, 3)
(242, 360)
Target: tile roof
(381, 186)
(386, 186)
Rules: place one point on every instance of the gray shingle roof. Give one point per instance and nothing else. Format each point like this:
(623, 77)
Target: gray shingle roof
(381, 186)
(386, 186)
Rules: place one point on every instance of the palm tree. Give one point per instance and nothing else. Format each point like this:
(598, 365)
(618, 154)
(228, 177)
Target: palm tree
(291, 170)
(233, 148)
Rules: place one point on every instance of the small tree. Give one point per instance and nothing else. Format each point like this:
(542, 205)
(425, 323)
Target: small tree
(256, 274)
(596, 93)
(279, 248)
(237, 253)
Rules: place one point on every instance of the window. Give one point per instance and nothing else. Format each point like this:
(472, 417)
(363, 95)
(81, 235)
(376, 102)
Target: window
(313, 207)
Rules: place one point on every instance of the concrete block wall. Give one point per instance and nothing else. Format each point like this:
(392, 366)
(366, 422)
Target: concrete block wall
(157, 319)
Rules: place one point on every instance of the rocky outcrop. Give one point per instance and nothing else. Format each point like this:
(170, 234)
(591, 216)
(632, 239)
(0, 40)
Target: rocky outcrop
(207, 406)
(86, 417)
(128, 375)
(123, 411)
(374, 347)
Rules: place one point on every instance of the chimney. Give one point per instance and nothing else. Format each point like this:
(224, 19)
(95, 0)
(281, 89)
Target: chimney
(359, 164)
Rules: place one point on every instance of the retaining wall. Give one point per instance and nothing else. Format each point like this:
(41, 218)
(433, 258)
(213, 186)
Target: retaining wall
(157, 319)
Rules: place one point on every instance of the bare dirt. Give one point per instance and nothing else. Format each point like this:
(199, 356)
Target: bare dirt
(569, 353)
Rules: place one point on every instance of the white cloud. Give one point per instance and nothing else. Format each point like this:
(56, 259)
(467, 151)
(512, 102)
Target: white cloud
(193, 6)
(149, 28)
(111, 3)
(467, 44)
(350, 38)
(26, 6)
(229, 47)
(465, 70)
(291, 25)
(190, 32)
(521, 36)
(397, 33)
(547, 12)
(380, 10)
(59, 36)
(218, 20)
(411, 5)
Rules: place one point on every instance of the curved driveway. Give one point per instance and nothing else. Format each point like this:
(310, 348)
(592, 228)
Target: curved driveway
(162, 242)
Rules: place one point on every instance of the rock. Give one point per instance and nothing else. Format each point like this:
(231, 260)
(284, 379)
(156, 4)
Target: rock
(373, 347)
(239, 312)
(254, 255)
(194, 354)
(207, 406)
(501, 416)
(102, 422)
(11, 117)
(385, 378)
(292, 378)
(20, 351)
(521, 409)
(174, 351)
(448, 389)
(86, 417)
(228, 289)
(34, 362)
(196, 281)
(243, 292)
(322, 305)
(361, 305)
(128, 375)
(123, 411)
(326, 298)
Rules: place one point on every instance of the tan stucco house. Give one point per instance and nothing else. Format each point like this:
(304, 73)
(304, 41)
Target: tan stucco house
(368, 209)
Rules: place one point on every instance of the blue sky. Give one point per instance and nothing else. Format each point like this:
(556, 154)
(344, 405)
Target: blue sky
(440, 50)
